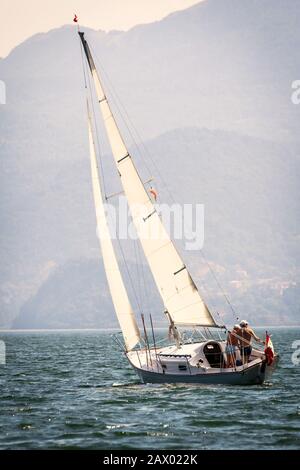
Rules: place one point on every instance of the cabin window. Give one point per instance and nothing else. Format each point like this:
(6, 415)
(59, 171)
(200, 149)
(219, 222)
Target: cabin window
(182, 367)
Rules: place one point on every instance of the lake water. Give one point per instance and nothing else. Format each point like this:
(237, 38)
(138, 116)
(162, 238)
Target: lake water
(75, 390)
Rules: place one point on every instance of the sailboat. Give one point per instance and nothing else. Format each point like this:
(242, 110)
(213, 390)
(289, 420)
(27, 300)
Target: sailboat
(197, 359)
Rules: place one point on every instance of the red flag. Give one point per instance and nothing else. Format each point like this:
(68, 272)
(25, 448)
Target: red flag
(75, 19)
(269, 350)
(153, 192)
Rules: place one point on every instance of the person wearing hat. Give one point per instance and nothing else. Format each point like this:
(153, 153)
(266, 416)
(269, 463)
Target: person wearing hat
(246, 335)
(232, 345)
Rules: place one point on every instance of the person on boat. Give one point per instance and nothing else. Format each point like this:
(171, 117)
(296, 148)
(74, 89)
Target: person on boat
(232, 346)
(174, 333)
(246, 334)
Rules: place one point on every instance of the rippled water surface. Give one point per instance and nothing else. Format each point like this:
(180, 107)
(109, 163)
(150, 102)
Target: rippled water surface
(76, 390)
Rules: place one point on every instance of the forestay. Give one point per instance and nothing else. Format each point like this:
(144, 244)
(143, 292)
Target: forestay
(179, 293)
(117, 288)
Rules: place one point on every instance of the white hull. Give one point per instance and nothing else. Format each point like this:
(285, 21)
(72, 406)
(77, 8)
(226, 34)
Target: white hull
(189, 364)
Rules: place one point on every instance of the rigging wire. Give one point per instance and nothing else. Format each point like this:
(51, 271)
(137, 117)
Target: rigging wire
(82, 61)
(138, 302)
(99, 158)
(99, 153)
(137, 248)
(85, 75)
(219, 285)
(139, 286)
(143, 286)
(122, 111)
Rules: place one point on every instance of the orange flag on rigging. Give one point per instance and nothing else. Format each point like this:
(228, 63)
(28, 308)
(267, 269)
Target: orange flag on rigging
(153, 192)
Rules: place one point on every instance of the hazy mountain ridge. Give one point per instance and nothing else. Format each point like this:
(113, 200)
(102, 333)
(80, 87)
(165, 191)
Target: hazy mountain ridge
(76, 295)
(230, 65)
(213, 65)
(69, 298)
(249, 240)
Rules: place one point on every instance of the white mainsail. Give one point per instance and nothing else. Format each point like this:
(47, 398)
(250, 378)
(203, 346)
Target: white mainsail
(118, 292)
(179, 293)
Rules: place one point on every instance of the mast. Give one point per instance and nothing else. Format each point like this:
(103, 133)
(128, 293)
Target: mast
(180, 295)
(117, 288)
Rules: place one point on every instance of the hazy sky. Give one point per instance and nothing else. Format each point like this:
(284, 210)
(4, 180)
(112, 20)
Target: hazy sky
(21, 19)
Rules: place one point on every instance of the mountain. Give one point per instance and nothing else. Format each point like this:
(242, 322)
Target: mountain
(209, 89)
(218, 64)
(76, 295)
(251, 223)
(67, 299)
